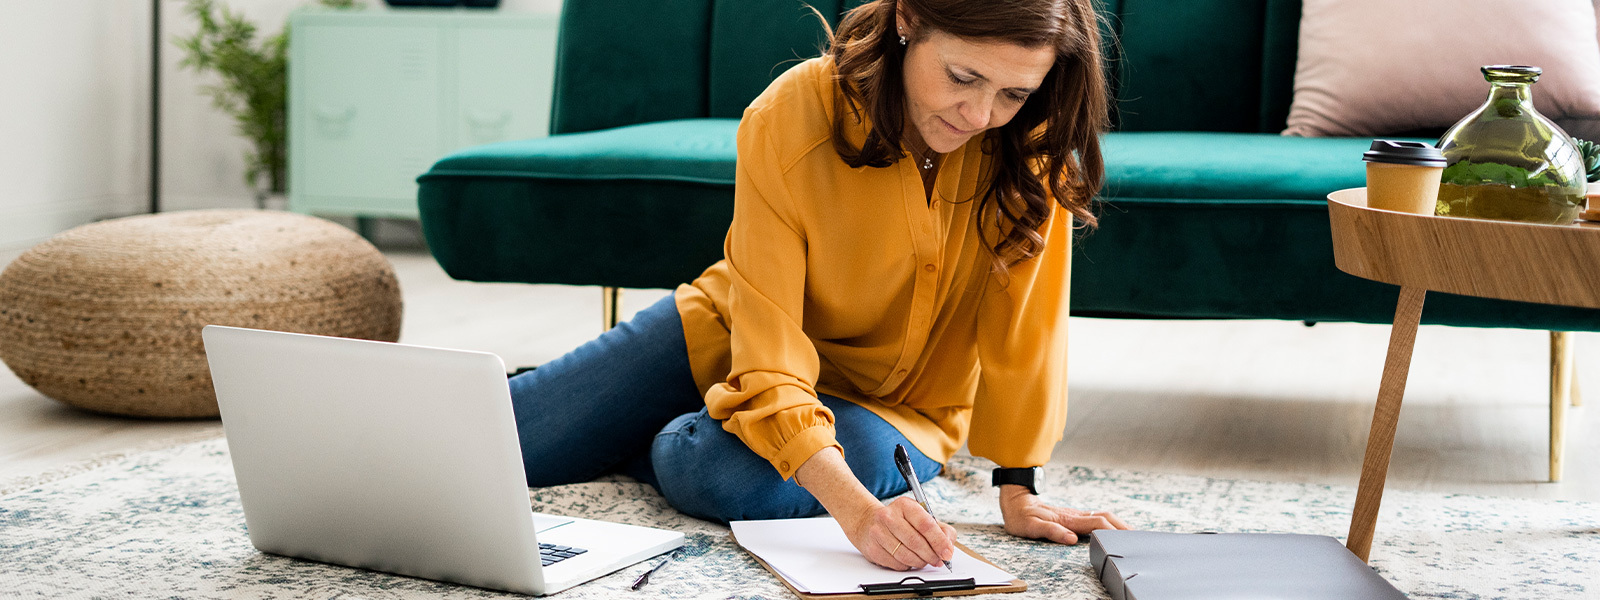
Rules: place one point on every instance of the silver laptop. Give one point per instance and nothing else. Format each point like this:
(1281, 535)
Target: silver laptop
(397, 458)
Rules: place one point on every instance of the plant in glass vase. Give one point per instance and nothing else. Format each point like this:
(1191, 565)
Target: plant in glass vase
(252, 88)
(1507, 161)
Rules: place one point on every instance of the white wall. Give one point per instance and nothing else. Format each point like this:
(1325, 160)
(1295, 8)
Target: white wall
(73, 106)
(74, 114)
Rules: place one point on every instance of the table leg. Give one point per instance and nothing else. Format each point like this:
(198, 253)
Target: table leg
(1380, 440)
(1560, 394)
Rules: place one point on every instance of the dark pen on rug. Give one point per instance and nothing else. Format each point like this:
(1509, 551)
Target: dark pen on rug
(645, 577)
(902, 460)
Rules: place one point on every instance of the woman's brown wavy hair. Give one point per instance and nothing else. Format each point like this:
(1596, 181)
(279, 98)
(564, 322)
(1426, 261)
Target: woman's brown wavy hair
(1054, 139)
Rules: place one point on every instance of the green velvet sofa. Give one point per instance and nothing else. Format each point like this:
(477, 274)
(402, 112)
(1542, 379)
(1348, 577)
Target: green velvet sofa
(1208, 212)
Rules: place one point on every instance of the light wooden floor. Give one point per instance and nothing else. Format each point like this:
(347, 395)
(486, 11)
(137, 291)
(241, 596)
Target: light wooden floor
(1271, 400)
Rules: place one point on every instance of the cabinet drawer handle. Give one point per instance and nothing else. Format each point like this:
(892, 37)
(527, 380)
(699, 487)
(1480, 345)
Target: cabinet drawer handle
(487, 125)
(330, 115)
(484, 118)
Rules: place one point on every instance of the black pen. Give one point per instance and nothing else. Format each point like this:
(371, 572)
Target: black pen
(903, 461)
(645, 577)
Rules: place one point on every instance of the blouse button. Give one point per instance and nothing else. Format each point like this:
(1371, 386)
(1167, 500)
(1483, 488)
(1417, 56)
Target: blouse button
(783, 466)
(929, 267)
(901, 373)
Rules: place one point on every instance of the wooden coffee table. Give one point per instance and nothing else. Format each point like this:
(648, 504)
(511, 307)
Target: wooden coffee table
(1548, 264)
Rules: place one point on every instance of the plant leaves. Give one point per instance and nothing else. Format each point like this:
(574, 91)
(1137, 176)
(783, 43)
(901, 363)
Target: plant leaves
(1590, 152)
(1467, 172)
(253, 85)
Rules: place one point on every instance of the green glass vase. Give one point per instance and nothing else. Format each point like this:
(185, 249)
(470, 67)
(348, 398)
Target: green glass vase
(1506, 161)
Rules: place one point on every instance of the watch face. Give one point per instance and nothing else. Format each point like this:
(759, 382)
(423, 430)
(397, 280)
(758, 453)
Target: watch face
(1038, 480)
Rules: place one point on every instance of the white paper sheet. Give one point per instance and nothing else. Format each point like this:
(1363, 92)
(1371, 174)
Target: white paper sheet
(817, 558)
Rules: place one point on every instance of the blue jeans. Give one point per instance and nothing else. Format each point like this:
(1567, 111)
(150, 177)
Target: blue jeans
(626, 402)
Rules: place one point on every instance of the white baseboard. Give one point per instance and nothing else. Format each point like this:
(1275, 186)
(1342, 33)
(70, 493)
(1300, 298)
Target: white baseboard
(174, 202)
(23, 226)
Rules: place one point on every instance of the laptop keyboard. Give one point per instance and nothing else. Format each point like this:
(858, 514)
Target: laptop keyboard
(550, 554)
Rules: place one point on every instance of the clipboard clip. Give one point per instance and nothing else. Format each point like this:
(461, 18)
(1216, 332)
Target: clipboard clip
(919, 586)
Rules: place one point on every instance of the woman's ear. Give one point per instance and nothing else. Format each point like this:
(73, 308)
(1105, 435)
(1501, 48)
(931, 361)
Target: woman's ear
(903, 25)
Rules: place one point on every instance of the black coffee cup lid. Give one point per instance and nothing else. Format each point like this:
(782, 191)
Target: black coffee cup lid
(1396, 152)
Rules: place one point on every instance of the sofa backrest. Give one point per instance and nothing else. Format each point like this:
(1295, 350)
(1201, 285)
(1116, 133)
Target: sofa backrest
(1204, 65)
(622, 62)
(1186, 65)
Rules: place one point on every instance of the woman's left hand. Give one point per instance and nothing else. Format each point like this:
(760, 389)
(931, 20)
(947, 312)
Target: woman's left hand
(1029, 517)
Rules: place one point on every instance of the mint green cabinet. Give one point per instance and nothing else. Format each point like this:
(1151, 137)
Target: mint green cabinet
(377, 95)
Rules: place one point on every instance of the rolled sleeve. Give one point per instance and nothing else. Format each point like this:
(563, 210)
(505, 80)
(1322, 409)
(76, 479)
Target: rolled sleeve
(800, 448)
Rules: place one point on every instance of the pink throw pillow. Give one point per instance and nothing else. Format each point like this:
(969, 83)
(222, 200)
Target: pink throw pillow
(1588, 129)
(1379, 67)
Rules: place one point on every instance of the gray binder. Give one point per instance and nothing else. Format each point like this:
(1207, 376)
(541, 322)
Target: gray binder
(1147, 565)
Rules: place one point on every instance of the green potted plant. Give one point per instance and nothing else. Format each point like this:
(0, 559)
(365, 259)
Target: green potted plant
(253, 86)
(1591, 158)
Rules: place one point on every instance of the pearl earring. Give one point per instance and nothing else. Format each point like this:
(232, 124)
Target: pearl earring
(902, 36)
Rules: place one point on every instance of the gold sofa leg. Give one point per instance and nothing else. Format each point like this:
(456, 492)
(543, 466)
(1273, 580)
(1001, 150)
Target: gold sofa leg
(610, 303)
(1561, 381)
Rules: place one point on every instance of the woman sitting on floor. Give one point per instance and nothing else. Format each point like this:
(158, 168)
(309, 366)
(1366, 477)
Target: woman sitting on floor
(897, 271)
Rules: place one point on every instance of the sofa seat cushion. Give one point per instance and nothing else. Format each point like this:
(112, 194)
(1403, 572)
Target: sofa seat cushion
(684, 150)
(639, 206)
(1226, 225)
(1252, 259)
(1198, 166)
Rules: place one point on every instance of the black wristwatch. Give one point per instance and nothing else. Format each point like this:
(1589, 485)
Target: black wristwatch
(1031, 478)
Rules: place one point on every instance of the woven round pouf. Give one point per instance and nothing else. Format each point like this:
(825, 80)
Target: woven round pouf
(107, 316)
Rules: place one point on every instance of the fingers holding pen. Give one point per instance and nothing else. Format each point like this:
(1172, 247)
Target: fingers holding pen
(901, 536)
(949, 534)
(919, 532)
(940, 537)
(887, 548)
(886, 552)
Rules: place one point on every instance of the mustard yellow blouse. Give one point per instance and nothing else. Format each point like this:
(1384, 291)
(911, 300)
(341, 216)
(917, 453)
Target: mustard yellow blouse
(847, 281)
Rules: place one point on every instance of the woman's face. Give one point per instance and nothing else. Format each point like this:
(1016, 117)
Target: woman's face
(957, 88)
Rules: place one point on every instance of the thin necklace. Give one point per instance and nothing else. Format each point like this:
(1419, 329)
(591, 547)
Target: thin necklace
(927, 161)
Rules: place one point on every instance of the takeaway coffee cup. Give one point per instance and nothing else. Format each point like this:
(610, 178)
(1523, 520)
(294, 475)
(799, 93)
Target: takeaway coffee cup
(1403, 176)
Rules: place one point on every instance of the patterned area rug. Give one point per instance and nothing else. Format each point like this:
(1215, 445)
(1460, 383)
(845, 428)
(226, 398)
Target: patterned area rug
(168, 523)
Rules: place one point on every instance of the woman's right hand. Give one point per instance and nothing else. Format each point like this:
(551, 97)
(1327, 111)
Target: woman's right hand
(901, 536)
(898, 535)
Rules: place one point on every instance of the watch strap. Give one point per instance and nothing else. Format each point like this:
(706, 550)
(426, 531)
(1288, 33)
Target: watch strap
(1023, 477)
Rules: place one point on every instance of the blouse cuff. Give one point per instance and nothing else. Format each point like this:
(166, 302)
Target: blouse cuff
(800, 448)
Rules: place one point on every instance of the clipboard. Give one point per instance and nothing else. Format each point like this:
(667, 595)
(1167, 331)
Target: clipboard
(935, 589)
